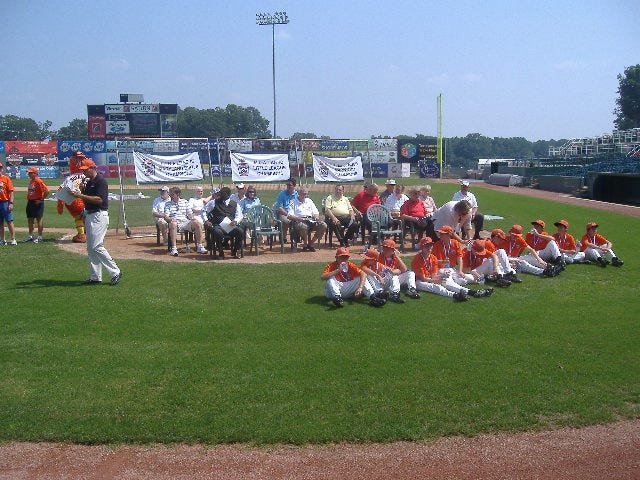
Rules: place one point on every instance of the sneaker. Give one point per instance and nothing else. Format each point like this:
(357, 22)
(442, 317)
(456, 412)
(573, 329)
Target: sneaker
(460, 296)
(602, 262)
(513, 277)
(115, 279)
(28, 239)
(2, 243)
(13, 242)
(38, 239)
(413, 293)
(396, 298)
(483, 292)
(338, 302)
(201, 249)
(174, 251)
(616, 262)
(503, 282)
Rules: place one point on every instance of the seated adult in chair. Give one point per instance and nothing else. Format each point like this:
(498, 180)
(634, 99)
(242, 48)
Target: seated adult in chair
(340, 216)
(414, 214)
(394, 203)
(157, 209)
(305, 219)
(361, 201)
(223, 220)
(283, 200)
(180, 218)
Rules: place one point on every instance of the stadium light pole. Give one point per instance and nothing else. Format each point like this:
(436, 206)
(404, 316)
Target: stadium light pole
(277, 18)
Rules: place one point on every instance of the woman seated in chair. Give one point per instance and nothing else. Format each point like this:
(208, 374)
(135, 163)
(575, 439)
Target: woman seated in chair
(340, 216)
(414, 214)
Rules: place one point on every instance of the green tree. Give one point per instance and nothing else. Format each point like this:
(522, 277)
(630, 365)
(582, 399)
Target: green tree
(76, 130)
(13, 127)
(301, 135)
(232, 121)
(628, 102)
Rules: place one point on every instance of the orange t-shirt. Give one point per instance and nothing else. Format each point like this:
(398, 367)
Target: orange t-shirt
(424, 266)
(472, 260)
(6, 187)
(565, 242)
(597, 239)
(375, 266)
(352, 272)
(489, 246)
(390, 262)
(535, 242)
(37, 190)
(513, 247)
(450, 253)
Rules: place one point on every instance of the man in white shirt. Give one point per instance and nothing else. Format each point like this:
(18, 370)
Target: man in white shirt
(395, 201)
(455, 214)
(305, 219)
(157, 210)
(181, 219)
(476, 218)
(241, 189)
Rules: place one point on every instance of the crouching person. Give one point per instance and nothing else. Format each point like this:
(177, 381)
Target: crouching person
(345, 279)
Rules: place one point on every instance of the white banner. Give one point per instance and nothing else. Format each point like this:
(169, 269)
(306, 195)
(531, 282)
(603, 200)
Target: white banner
(346, 169)
(167, 168)
(254, 167)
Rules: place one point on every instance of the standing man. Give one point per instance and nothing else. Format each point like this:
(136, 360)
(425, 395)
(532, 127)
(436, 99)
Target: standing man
(6, 208)
(36, 194)
(476, 218)
(95, 195)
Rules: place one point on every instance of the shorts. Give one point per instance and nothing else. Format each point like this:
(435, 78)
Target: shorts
(5, 214)
(35, 209)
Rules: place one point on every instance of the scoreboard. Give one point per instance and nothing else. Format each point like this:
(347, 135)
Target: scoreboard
(137, 120)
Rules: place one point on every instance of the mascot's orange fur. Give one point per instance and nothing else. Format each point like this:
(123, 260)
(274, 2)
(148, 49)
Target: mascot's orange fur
(75, 208)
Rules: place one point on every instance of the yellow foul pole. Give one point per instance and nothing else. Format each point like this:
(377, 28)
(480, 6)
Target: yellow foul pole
(439, 144)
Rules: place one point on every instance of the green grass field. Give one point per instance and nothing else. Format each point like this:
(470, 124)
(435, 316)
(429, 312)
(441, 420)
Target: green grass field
(220, 353)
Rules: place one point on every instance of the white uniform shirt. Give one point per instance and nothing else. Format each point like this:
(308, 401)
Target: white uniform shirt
(306, 209)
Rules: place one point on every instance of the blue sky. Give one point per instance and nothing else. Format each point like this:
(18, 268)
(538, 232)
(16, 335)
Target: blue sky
(347, 69)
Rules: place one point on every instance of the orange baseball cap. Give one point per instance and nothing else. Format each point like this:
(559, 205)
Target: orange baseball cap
(538, 222)
(370, 254)
(343, 252)
(33, 170)
(479, 247)
(425, 241)
(78, 154)
(388, 243)
(446, 230)
(88, 163)
(564, 223)
(516, 230)
(498, 232)
(592, 225)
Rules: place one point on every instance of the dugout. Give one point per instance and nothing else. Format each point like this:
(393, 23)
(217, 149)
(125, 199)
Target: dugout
(615, 187)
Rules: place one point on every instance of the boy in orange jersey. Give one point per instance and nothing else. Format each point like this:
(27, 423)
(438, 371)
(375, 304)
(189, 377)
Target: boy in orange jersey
(381, 278)
(543, 243)
(390, 259)
(567, 244)
(36, 194)
(449, 253)
(425, 267)
(481, 264)
(515, 246)
(345, 279)
(597, 248)
(510, 275)
(6, 208)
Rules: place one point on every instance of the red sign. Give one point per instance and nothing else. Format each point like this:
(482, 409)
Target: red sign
(21, 146)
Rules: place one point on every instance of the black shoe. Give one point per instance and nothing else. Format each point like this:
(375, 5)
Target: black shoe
(413, 293)
(377, 300)
(338, 302)
(396, 298)
(483, 292)
(616, 262)
(92, 282)
(557, 269)
(115, 279)
(503, 281)
(602, 262)
(512, 277)
(460, 296)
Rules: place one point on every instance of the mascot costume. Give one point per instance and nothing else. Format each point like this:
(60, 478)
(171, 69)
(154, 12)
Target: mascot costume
(74, 205)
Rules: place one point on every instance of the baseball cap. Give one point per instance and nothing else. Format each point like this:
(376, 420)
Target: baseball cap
(33, 170)
(240, 185)
(465, 183)
(564, 223)
(86, 164)
(445, 229)
(425, 241)
(538, 222)
(388, 243)
(370, 254)
(498, 232)
(163, 188)
(343, 252)
(516, 230)
(391, 181)
(78, 154)
(592, 225)
(479, 247)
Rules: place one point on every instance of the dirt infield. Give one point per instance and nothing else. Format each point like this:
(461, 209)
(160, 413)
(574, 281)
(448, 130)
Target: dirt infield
(590, 453)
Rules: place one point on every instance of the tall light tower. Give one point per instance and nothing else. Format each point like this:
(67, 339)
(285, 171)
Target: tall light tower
(278, 18)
